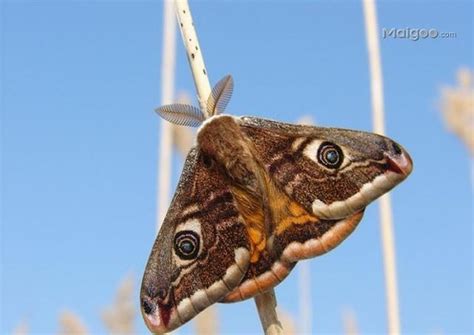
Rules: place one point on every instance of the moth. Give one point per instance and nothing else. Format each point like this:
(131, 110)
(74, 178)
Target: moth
(255, 197)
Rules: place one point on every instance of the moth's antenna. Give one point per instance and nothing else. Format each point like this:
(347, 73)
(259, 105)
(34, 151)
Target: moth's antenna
(187, 115)
(181, 114)
(266, 302)
(220, 96)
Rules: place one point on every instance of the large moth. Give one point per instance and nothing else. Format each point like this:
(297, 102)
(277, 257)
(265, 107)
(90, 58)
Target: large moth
(255, 197)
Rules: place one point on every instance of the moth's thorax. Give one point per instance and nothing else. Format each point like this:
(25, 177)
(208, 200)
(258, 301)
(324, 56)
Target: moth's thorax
(221, 139)
(220, 135)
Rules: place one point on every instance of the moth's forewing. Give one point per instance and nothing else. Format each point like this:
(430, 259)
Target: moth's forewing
(202, 215)
(371, 166)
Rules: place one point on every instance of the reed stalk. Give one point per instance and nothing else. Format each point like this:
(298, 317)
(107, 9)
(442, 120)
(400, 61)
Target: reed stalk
(304, 275)
(168, 61)
(193, 52)
(350, 322)
(386, 220)
(457, 106)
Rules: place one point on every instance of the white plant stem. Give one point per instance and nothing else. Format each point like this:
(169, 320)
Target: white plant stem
(194, 53)
(305, 305)
(167, 96)
(304, 276)
(472, 173)
(266, 306)
(350, 322)
(387, 235)
(266, 302)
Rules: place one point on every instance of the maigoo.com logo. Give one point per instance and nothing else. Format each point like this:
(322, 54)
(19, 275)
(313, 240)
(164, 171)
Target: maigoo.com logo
(415, 34)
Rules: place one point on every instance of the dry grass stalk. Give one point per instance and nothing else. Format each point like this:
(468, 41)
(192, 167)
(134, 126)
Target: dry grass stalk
(119, 317)
(71, 324)
(304, 275)
(191, 43)
(350, 322)
(457, 105)
(386, 225)
(306, 120)
(167, 96)
(305, 302)
(183, 137)
(206, 322)
(266, 306)
(21, 329)
(288, 323)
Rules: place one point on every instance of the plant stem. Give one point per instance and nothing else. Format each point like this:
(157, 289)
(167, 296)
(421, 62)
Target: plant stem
(266, 306)
(386, 224)
(167, 96)
(194, 53)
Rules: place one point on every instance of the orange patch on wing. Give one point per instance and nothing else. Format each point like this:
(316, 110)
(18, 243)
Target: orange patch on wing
(285, 211)
(251, 209)
(295, 215)
(284, 214)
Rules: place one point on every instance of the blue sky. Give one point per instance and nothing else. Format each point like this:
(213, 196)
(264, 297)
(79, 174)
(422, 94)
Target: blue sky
(80, 81)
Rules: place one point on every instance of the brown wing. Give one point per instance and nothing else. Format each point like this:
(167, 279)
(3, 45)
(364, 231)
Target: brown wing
(289, 201)
(361, 167)
(201, 252)
(314, 207)
(296, 235)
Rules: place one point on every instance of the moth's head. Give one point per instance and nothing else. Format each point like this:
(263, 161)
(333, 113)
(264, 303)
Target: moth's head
(346, 170)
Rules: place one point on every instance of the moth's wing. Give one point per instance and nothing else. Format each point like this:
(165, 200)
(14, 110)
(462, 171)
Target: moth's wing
(298, 235)
(294, 182)
(181, 114)
(175, 289)
(370, 165)
(266, 269)
(304, 236)
(220, 96)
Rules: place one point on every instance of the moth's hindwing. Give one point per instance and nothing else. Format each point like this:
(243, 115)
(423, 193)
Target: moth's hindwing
(201, 252)
(266, 269)
(297, 234)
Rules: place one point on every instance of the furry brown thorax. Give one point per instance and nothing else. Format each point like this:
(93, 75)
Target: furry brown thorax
(256, 196)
